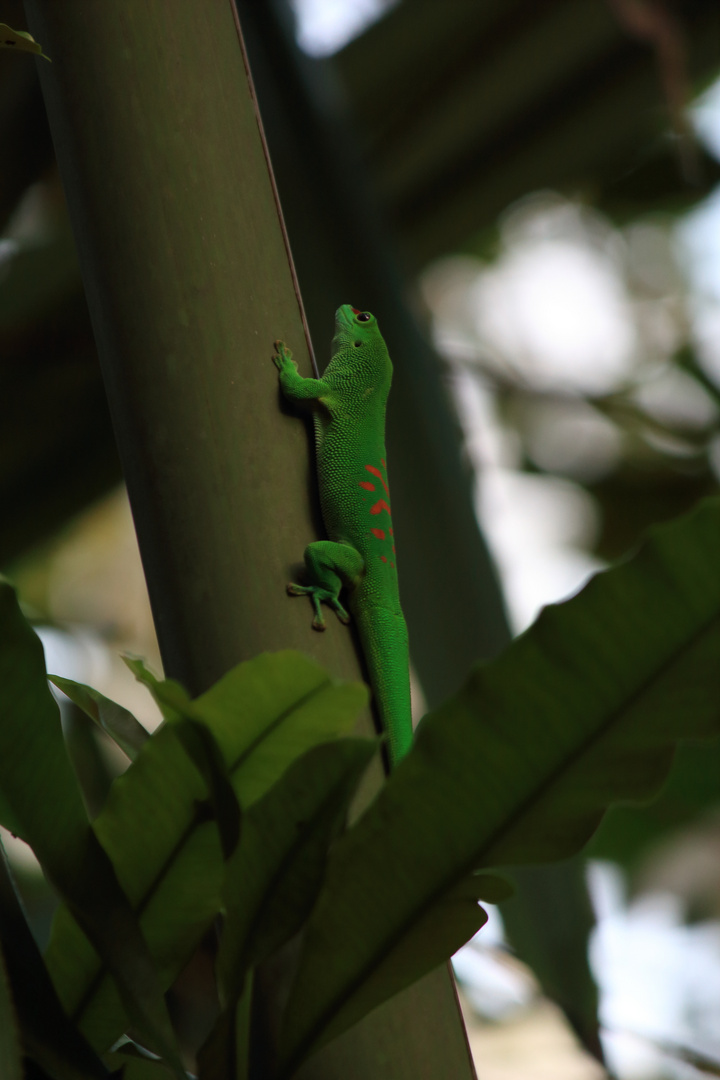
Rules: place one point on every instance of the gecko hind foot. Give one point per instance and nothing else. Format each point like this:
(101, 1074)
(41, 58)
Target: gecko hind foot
(340, 612)
(319, 596)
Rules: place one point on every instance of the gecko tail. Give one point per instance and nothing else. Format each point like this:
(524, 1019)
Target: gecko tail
(384, 639)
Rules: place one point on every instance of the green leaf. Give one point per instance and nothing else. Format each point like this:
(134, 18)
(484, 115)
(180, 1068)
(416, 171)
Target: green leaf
(8, 819)
(225, 1055)
(116, 721)
(137, 1068)
(39, 785)
(273, 879)
(581, 711)
(692, 789)
(20, 41)
(172, 698)
(48, 1036)
(35, 775)
(444, 926)
(205, 754)
(10, 1063)
(166, 852)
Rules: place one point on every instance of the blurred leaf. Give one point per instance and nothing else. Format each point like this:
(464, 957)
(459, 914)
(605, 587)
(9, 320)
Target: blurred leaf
(171, 697)
(35, 774)
(227, 1050)
(42, 276)
(116, 721)
(205, 754)
(706, 1065)
(582, 710)
(692, 788)
(636, 497)
(273, 879)
(687, 360)
(8, 818)
(446, 924)
(20, 41)
(94, 770)
(39, 784)
(49, 1038)
(137, 1068)
(10, 1064)
(263, 714)
(548, 922)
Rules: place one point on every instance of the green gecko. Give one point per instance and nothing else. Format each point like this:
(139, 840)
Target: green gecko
(348, 405)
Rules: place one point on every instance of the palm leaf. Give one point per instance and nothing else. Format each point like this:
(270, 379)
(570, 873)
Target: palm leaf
(582, 711)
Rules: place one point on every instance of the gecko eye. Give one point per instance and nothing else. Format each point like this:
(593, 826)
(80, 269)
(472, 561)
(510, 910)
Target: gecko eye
(364, 316)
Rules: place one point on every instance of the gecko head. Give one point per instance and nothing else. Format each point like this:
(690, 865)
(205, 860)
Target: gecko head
(355, 329)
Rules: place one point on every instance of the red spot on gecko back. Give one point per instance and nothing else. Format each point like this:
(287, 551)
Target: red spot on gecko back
(367, 485)
(382, 462)
(376, 472)
(379, 506)
(383, 559)
(380, 533)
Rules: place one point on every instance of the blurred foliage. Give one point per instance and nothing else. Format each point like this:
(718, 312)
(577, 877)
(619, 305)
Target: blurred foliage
(626, 406)
(57, 452)
(629, 834)
(457, 118)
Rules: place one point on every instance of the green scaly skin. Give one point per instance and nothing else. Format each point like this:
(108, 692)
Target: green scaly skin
(348, 405)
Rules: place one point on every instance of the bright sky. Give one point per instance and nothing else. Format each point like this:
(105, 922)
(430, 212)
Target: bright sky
(324, 26)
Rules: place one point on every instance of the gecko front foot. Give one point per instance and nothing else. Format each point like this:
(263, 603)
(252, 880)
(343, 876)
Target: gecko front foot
(283, 358)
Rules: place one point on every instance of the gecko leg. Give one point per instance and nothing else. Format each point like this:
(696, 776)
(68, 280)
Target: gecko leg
(329, 566)
(292, 383)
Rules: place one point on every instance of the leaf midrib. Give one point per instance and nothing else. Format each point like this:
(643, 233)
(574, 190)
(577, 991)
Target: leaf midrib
(87, 997)
(614, 717)
(523, 808)
(332, 799)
